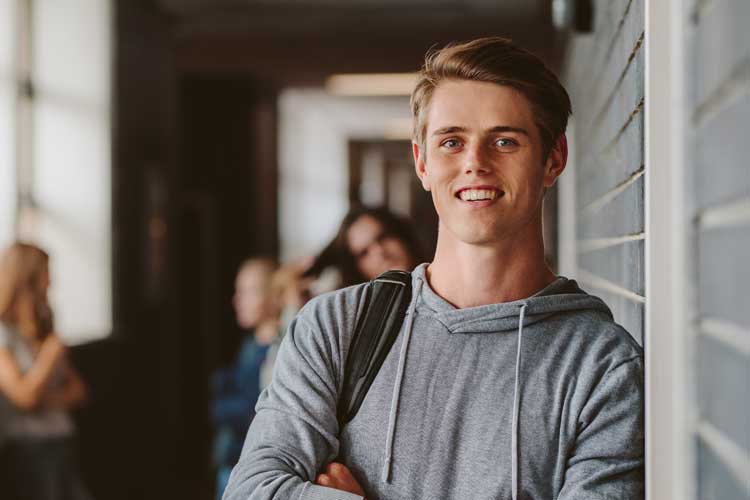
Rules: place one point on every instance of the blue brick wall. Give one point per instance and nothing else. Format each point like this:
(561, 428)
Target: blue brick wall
(605, 74)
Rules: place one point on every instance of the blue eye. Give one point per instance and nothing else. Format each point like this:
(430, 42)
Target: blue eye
(506, 143)
(451, 143)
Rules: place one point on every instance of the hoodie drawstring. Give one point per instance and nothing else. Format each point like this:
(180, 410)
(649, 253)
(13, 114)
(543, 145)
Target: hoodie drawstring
(397, 383)
(516, 410)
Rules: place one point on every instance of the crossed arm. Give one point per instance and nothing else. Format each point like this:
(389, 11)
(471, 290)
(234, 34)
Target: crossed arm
(295, 432)
(607, 459)
(31, 389)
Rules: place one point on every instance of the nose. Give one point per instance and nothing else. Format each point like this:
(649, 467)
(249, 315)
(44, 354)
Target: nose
(475, 160)
(376, 249)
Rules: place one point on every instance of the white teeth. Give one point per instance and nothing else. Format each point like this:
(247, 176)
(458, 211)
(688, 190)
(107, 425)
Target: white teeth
(478, 194)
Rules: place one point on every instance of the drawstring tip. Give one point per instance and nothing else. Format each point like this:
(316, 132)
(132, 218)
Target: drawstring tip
(386, 474)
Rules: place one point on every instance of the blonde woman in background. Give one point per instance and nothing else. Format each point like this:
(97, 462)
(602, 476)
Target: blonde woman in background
(38, 385)
(290, 290)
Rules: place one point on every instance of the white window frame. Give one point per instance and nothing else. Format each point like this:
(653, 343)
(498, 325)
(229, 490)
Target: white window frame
(668, 337)
(24, 110)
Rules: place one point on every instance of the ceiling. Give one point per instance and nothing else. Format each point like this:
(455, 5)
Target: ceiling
(514, 8)
(300, 42)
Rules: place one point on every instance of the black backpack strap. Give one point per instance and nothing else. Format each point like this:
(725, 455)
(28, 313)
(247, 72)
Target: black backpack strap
(386, 300)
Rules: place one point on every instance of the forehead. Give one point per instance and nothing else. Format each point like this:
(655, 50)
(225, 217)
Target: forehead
(253, 275)
(482, 105)
(363, 232)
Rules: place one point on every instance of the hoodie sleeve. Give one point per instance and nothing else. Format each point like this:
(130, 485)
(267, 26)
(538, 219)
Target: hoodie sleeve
(295, 430)
(607, 459)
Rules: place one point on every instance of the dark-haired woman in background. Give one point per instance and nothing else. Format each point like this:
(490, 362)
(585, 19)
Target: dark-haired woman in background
(38, 386)
(370, 241)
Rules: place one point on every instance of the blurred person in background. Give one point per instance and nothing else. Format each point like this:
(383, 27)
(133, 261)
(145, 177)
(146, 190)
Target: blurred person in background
(290, 290)
(369, 242)
(38, 385)
(236, 388)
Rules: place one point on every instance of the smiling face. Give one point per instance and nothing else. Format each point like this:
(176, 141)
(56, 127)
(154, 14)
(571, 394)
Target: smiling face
(482, 161)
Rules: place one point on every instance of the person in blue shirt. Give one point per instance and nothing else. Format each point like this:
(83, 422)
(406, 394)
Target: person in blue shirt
(236, 388)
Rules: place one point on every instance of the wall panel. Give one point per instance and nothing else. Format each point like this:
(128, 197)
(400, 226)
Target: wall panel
(605, 75)
(716, 149)
(722, 149)
(662, 197)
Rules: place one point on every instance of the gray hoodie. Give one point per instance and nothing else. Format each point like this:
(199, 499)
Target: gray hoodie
(539, 398)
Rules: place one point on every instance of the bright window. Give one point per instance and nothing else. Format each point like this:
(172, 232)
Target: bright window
(61, 154)
(7, 116)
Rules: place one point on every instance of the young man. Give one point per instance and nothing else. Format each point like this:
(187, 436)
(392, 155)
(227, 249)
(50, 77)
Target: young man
(506, 382)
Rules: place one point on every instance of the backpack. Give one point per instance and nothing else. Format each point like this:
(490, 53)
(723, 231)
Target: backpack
(386, 300)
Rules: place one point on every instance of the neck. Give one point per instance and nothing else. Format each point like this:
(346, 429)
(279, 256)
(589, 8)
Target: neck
(266, 332)
(469, 275)
(23, 319)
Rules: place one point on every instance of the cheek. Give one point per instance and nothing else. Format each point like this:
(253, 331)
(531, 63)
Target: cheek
(440, 201)
(247, 303)
(525, 179)
(367, 266)
(396, 249)
(440, 180)
(444, 194)
(439, 172)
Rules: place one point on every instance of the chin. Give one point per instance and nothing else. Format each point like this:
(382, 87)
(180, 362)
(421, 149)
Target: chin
(477, 234)
(245, 324)
(398, 265)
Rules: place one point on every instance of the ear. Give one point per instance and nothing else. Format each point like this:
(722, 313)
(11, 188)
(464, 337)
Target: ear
(556, 161)
(419, 165)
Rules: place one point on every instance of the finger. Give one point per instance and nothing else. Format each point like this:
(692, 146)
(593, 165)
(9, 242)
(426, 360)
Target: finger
(343, 478)
(338, 469)
(339, 475)
(345, 472)
(323, 480)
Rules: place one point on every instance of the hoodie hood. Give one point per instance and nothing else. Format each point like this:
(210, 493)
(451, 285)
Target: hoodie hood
(561, 295)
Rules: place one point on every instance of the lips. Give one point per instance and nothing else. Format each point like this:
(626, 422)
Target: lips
(479, 193)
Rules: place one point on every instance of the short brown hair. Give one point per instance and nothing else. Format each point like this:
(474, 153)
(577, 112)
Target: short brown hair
(494, 60)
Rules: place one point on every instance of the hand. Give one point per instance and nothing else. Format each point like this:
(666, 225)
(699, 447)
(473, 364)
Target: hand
(339, 477)
(51, 400)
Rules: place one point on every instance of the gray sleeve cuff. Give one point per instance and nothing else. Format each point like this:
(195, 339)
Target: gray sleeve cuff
(315, 492)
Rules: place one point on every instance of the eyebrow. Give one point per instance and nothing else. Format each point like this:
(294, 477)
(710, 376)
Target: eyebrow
(493, 130)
